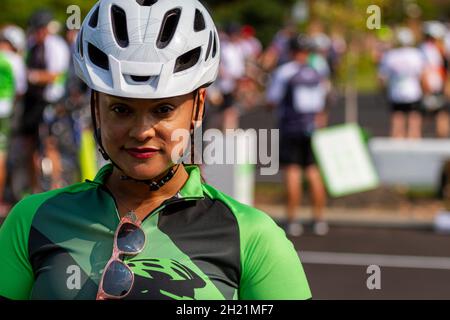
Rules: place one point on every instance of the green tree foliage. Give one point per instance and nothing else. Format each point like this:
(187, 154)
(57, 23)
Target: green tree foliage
(267, 16)
(19, 11)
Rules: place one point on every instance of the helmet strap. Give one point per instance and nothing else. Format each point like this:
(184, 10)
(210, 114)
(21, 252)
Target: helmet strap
(152, 184)
(196, 113)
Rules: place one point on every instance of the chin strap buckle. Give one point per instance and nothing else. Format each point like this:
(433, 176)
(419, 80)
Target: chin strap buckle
(155, 185)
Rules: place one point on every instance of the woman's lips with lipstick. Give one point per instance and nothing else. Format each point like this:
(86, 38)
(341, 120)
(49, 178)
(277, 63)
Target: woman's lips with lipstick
(142, 153)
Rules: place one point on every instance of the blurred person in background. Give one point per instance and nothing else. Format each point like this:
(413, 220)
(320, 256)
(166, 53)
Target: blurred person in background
(65, 120)
(13, 85)
(278, 52)
(447, 59)
(401, 70)
(47, 62)
(250, 45)
(297, 91)
(435, 74)
(249, 92)
(79, 157)
(319, 60)
(231, 71)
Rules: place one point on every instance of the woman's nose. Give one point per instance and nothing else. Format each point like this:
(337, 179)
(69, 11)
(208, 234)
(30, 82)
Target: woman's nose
(143, 129)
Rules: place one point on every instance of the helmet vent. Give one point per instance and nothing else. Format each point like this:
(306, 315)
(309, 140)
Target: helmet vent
(80, 43)
(199, 22)
(168, 28)
(133, 80)
(214, 50)
(119, 26)
(93, 22)
(140, 78)
(146, 3)
(208, 51)
(99, 58)
(188, 60)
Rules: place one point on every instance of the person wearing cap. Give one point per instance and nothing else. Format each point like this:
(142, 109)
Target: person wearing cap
(401, 72)
(13, 85)
(251, 46)
(147, 226)
(297, 91)
(47, 62)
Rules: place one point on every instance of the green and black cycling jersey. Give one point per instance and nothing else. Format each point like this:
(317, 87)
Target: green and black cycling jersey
(201, 244)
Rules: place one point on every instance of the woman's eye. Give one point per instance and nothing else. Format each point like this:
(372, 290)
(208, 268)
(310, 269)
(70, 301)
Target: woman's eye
(164, 110)
(121, 110)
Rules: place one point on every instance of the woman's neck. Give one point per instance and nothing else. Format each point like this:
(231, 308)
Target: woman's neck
(132, 195)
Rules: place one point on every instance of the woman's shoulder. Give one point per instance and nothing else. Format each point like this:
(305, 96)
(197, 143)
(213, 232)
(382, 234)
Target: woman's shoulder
(32, 202)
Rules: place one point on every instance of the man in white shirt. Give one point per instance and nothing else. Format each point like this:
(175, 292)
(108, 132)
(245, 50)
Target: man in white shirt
(48, 61)
(401, 71)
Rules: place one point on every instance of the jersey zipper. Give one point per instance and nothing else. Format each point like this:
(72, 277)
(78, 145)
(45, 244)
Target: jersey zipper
(165, 204)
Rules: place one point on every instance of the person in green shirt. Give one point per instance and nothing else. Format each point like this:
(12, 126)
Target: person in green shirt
(13, 86)
(147, 226)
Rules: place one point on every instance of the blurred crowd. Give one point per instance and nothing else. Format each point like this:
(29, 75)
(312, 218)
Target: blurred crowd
(247, 68)
(413, 69)
(45, 109)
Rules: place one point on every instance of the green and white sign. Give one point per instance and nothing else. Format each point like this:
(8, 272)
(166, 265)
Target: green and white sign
(344, 160)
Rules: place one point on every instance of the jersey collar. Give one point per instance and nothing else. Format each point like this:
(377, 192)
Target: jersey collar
(192, 189)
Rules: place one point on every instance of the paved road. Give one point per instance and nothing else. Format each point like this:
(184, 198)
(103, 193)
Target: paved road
(414, 264)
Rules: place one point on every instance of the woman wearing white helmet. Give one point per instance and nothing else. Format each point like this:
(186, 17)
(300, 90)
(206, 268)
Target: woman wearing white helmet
(147, 227)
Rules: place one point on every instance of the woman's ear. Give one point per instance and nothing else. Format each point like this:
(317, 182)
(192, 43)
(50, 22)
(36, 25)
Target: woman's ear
(199, 108)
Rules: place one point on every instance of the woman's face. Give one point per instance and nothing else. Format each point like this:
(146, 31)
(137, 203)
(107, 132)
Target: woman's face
(138, 133)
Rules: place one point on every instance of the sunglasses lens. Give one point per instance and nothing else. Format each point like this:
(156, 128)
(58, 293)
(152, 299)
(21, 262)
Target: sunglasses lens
(131, 239)
(117, 280)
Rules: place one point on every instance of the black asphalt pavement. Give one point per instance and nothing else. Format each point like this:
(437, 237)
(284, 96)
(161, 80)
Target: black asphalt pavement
(414, 264)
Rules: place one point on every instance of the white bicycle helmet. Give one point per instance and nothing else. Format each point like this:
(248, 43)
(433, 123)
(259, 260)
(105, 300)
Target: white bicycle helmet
(434, 29)
(148, 49)
(15, 36)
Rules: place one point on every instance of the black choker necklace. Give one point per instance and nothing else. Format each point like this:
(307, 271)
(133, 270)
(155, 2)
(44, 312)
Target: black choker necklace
(152, 184)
